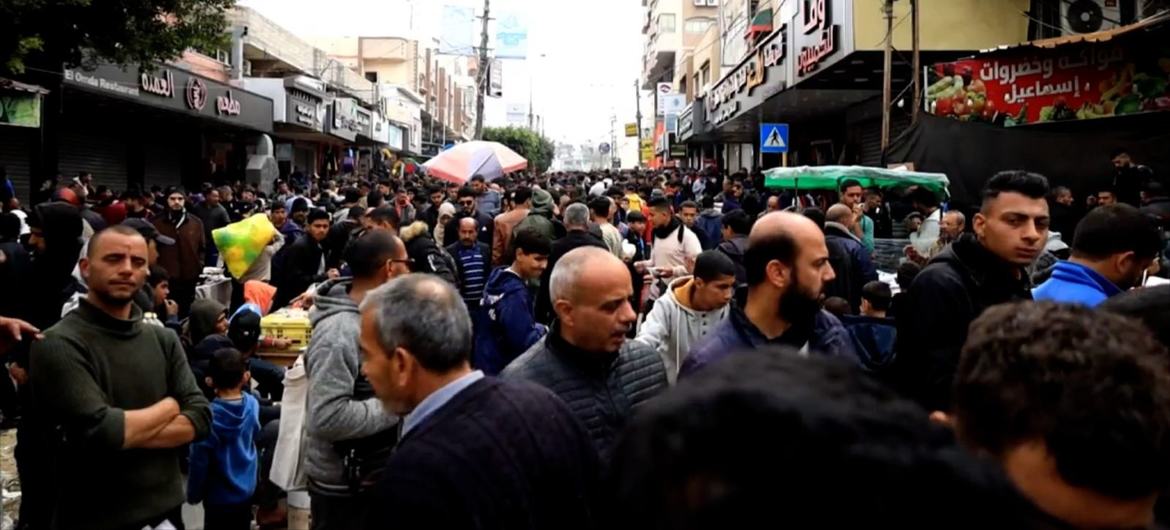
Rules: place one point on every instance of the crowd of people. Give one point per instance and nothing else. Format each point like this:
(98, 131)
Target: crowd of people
(668, 349)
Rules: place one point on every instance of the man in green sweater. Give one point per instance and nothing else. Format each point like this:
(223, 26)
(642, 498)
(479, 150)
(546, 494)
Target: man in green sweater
(120, 395)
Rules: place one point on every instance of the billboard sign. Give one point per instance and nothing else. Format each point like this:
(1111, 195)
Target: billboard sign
(511, 36)
(458, 33)
(1068, 83)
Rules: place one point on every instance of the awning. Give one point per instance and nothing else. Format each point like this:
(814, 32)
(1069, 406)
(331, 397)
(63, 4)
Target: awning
(8, 84)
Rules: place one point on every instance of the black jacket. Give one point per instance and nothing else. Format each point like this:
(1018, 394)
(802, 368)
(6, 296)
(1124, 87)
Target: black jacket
(426, 256)
(954, 289)
(602, 390)
(851, 264)
(1159, 209)
(302, 267)
(337, 240)
(1064, 220)
(573, 240)
(499, 454)
(487, 228)
(16, 276)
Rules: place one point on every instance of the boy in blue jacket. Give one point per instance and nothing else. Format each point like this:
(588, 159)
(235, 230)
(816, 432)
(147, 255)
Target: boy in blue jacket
(504, 324)
(223, 467)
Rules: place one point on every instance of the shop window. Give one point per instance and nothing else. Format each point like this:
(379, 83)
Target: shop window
(666, 23)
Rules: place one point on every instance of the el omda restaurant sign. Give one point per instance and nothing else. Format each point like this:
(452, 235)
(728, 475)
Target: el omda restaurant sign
(178, 90)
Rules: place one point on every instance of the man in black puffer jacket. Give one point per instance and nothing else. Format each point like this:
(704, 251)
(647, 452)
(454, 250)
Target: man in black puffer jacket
(585, 358)
(848, 256)
(975, 272)
(426, 255)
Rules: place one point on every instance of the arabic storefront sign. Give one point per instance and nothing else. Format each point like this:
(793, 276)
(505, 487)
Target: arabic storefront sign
(1075, 82)
(302, 113)
(686, 124)
(226, 104)
(161, 83)
(176, 90)
(766, 65)
(343, 119)
(819, 36)
(364, 121)
(20, 109)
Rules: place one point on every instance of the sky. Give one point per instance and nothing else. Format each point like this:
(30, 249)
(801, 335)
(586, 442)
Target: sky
(586, 55)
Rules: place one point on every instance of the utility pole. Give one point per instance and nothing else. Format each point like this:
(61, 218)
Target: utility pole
(888, 10)
(917, 62)
(638, 118)
(481, 75)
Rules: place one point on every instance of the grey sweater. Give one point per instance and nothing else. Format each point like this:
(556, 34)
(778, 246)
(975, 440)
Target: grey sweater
(333, 364)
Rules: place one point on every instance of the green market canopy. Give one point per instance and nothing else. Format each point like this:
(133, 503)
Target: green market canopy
(830, 178)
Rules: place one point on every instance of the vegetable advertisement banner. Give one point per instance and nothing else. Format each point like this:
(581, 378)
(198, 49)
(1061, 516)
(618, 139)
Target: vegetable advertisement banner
(1073, 82)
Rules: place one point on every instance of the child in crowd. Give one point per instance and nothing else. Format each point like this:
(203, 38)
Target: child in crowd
(223, 466)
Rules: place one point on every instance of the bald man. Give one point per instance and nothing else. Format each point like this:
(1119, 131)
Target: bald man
(848, 256)
(787, 265)
(585, 358)
(473, 262)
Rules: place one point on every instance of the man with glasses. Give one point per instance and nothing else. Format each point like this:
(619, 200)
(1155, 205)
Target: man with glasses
(468, 207)
(345, 423)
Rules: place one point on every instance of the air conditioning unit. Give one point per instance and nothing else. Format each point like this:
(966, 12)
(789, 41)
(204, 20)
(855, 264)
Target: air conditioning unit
(1088, 16)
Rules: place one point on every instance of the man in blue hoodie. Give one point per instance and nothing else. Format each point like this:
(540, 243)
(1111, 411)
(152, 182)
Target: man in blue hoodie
(1113, 247)
(504, 325)
(223, 466)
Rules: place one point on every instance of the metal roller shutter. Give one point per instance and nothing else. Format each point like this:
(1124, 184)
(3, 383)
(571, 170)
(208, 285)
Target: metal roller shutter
(163, 162)
(102, 155)
(870, 142)
(870, 137)
(15, 145)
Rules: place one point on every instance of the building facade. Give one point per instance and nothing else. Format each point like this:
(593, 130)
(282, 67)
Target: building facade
(817, 65)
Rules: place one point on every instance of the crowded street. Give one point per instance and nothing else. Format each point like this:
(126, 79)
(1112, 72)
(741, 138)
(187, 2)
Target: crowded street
(508, 264)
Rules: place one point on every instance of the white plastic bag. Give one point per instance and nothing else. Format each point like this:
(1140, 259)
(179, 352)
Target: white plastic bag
(287, 470)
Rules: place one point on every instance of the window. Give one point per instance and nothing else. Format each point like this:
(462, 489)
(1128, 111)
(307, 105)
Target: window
(705, 73)
(698, 84)
(666, 23)
(697, 26)
(372, 77)
(712, 3)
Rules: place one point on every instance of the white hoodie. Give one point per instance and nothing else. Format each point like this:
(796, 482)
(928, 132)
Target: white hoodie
(673, 329)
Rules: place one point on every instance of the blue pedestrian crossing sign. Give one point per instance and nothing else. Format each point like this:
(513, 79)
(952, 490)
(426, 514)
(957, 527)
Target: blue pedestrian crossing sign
(773, 137)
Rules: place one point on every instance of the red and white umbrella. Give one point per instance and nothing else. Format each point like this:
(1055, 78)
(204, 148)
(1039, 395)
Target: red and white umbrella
(463, 161)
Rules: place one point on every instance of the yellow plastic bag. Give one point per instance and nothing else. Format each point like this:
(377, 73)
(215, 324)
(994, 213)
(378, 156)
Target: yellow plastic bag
(241, 243)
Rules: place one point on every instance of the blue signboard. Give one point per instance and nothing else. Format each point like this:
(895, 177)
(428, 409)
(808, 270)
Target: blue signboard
(773, 137)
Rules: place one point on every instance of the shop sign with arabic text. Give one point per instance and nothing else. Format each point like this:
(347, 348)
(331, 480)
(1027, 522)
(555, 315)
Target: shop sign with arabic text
(1073, 82)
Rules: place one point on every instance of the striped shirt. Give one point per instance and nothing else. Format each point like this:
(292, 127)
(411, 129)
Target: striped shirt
(474, 274)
